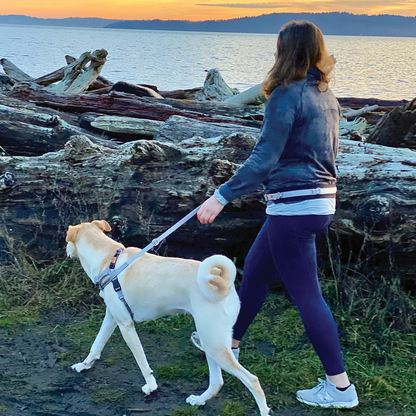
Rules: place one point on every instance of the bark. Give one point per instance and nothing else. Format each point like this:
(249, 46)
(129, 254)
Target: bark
(252, 96)
(139, 90)
(125, 126)
(47, 129)
(143, 187)
(178, 129)
(76, 80)
(14, 72)
(397, 128)
(59, 74)
(189, 94)
(383, 105)
(360, 111)
(215, 88)
(140, 107)
(6, 82)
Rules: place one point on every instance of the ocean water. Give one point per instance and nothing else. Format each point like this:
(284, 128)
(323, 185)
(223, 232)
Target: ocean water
(379, 67)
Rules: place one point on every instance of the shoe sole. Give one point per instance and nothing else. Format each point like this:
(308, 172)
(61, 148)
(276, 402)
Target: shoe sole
(339, 405)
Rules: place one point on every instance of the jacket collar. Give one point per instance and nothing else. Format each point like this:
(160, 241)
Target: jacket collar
(313, 74)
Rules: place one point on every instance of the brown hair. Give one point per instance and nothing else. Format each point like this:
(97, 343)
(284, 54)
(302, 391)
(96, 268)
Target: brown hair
(300, 46)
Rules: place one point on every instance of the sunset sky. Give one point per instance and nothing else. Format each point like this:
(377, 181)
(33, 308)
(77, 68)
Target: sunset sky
(197, 9)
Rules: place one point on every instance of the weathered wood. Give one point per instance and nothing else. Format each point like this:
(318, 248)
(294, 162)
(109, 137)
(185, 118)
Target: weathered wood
(71, 72)
(69, 59)
(77, 80)
(383, 105)
(28, 130)
(215, 88)
(6, 82)
(139, 90)
(83, 81)
(140, 128)
(397, 128)
(178, 129)
(360, 112)
(14, 72)
(252, 96)
(103, 90)
(140, 107)
(149, 185)
(189, 94)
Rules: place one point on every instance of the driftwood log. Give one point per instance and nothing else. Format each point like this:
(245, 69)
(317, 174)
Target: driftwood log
(140, 107)
(60, 164)
(143, 187)
(397, 128)
(28, 130)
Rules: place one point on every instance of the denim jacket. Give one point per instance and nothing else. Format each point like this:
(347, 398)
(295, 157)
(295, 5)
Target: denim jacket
(298, 142)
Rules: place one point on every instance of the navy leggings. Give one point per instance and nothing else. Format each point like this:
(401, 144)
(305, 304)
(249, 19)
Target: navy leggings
(286, 247)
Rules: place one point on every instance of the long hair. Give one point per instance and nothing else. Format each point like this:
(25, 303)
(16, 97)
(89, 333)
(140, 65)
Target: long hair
(300, 46)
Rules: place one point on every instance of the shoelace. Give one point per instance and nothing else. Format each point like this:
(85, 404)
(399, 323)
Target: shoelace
(320, 390)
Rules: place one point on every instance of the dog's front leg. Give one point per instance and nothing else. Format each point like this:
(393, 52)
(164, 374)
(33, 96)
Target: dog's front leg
(107, 328)
(132, 340)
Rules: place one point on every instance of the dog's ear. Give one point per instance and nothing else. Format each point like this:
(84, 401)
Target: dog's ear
(102, 225)
(71, 234)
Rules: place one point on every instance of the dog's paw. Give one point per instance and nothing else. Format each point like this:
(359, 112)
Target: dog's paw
(148, 388)
(80, 367)
(195, 400)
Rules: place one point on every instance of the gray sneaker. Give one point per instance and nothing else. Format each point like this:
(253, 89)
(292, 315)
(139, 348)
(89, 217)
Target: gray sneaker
(197, 342)
(325, 394)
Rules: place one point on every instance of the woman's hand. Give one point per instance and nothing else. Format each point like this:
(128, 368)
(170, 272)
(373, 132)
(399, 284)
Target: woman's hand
(209, 210)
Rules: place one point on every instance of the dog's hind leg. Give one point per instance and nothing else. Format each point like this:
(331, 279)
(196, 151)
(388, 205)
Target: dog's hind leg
(215, 384)
(226, 360)
(107, 328)
(132, 340)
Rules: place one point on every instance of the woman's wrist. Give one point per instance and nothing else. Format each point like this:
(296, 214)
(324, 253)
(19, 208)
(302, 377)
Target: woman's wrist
(220, 198)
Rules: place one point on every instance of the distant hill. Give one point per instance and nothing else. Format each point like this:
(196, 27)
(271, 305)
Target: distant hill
(13, 19)
(329, 23)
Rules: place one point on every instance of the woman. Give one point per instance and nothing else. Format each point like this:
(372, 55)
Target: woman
(295, 160)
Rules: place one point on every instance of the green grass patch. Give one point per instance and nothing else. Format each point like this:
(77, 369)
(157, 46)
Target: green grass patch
(232, 409)
(107, 394)
(376, 319)
(186, 411)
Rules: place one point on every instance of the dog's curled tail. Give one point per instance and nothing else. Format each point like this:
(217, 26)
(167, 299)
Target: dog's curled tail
(216, 276)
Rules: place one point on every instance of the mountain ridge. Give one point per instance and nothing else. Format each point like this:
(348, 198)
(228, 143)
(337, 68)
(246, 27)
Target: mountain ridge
(331, 23)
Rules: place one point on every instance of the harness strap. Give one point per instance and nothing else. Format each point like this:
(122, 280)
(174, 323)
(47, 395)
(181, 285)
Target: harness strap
(104, 278)
(115, 282)
(117, 288)
(110, 274)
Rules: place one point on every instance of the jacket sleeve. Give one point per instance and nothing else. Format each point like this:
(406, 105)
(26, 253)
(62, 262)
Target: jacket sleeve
(281, 110)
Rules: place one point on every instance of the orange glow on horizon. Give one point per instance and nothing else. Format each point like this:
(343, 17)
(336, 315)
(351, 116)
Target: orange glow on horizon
(197, 10)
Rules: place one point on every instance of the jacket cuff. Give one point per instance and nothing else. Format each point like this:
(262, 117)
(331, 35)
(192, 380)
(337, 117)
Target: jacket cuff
(220, 198)
(226, 192)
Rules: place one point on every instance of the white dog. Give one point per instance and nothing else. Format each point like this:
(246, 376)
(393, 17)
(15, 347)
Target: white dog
(154, 286)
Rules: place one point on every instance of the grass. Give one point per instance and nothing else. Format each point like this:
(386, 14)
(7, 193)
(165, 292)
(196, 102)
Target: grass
(376, 318)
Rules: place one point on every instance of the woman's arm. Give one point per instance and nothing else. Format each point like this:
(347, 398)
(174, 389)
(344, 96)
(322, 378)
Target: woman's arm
(282, 108)
(277, 125)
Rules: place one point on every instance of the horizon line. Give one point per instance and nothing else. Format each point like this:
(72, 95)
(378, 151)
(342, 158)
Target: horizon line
(201, 21)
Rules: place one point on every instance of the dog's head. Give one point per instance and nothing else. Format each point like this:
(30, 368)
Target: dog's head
(75, 232)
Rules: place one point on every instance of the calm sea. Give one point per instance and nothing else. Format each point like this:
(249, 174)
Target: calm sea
(379, 67)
